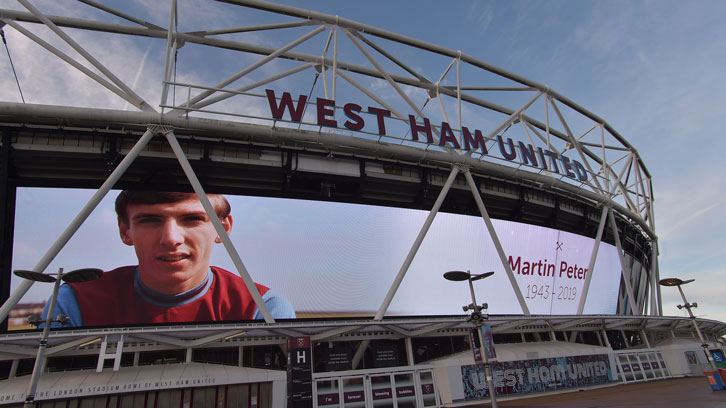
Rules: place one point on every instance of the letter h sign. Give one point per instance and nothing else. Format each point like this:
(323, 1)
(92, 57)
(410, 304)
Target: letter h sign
(116, 356)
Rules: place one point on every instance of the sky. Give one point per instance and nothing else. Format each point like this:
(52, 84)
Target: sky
(651, 69)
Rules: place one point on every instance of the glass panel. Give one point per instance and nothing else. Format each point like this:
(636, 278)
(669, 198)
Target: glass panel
(405, 390)
(428, 392)
(381, 391)
(353, 392)
(327, 393)
(635, 365)
(648, 365)
(627, 370)
(654, 367)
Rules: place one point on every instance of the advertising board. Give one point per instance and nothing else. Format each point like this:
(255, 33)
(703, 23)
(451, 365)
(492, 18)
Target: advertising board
(335, 259)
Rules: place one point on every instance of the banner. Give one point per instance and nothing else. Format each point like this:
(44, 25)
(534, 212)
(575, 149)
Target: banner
(530, 376)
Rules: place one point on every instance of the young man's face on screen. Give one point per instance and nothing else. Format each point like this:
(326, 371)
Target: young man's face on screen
(173, 242)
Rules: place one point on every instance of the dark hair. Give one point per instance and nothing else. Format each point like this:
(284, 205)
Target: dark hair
(219, 202)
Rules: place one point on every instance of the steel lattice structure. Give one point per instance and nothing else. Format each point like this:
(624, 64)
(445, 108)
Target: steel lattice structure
(313, 55)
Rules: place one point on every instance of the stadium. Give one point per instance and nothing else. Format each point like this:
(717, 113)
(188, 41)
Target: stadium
(361, 165)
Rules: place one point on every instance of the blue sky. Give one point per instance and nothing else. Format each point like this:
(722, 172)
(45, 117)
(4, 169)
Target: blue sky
(652, 69)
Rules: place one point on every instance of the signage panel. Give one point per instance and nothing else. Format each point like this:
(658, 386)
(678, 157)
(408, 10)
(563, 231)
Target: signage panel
(336, 259)
(299, 372)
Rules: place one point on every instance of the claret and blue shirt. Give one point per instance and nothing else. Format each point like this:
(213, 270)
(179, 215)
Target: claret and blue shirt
(119, 297)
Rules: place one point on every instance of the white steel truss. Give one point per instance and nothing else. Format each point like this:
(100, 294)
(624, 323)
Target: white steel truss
(479, 95)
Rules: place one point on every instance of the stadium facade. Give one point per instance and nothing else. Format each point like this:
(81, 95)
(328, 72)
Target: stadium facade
(397, 160)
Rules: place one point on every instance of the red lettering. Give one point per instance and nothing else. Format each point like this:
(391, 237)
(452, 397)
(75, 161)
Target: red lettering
(380, 114)
(567, 166)
(448, 136)
(351, 110)
(425, 128)
(512, 154)
(286, 103)
(515, 265)
(324, 111)
(473, 143)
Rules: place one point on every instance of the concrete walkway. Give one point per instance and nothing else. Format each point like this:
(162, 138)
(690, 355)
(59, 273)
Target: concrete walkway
(689, 392)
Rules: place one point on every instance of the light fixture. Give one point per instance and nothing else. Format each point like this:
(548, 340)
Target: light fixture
(688, 306)
(78, 275)
(476, 318)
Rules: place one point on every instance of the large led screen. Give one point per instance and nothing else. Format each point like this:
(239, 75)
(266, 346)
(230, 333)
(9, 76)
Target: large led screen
(324, 259)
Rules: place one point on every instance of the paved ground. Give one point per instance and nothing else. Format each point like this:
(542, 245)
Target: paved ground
(690, 392)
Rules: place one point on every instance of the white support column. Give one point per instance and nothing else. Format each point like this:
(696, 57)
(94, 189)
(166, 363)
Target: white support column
(407, 262)
(593, 257)
(644, 337)
(13, 368)
(188, 357)
(416, 244)
(409, 351)
(226, 241)
(605, 338)
(495, 240)
(77, 222)
(626, 272)
(171, 47)
(335, 58)
(656, 301)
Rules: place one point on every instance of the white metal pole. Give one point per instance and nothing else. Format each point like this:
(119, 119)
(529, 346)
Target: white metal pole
(626, 272)
(593, 257)
(37, 367)
(226, 241)
(698, 330)
(655, 274)
(407, 262)
(497, 244)
(487, 364)
(416, 244)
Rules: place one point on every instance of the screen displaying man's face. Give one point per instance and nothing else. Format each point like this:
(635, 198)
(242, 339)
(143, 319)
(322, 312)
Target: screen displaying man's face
(328, 259)
(173, 243)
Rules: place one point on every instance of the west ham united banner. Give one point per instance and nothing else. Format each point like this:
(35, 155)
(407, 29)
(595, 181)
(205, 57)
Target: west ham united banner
(544, 374)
